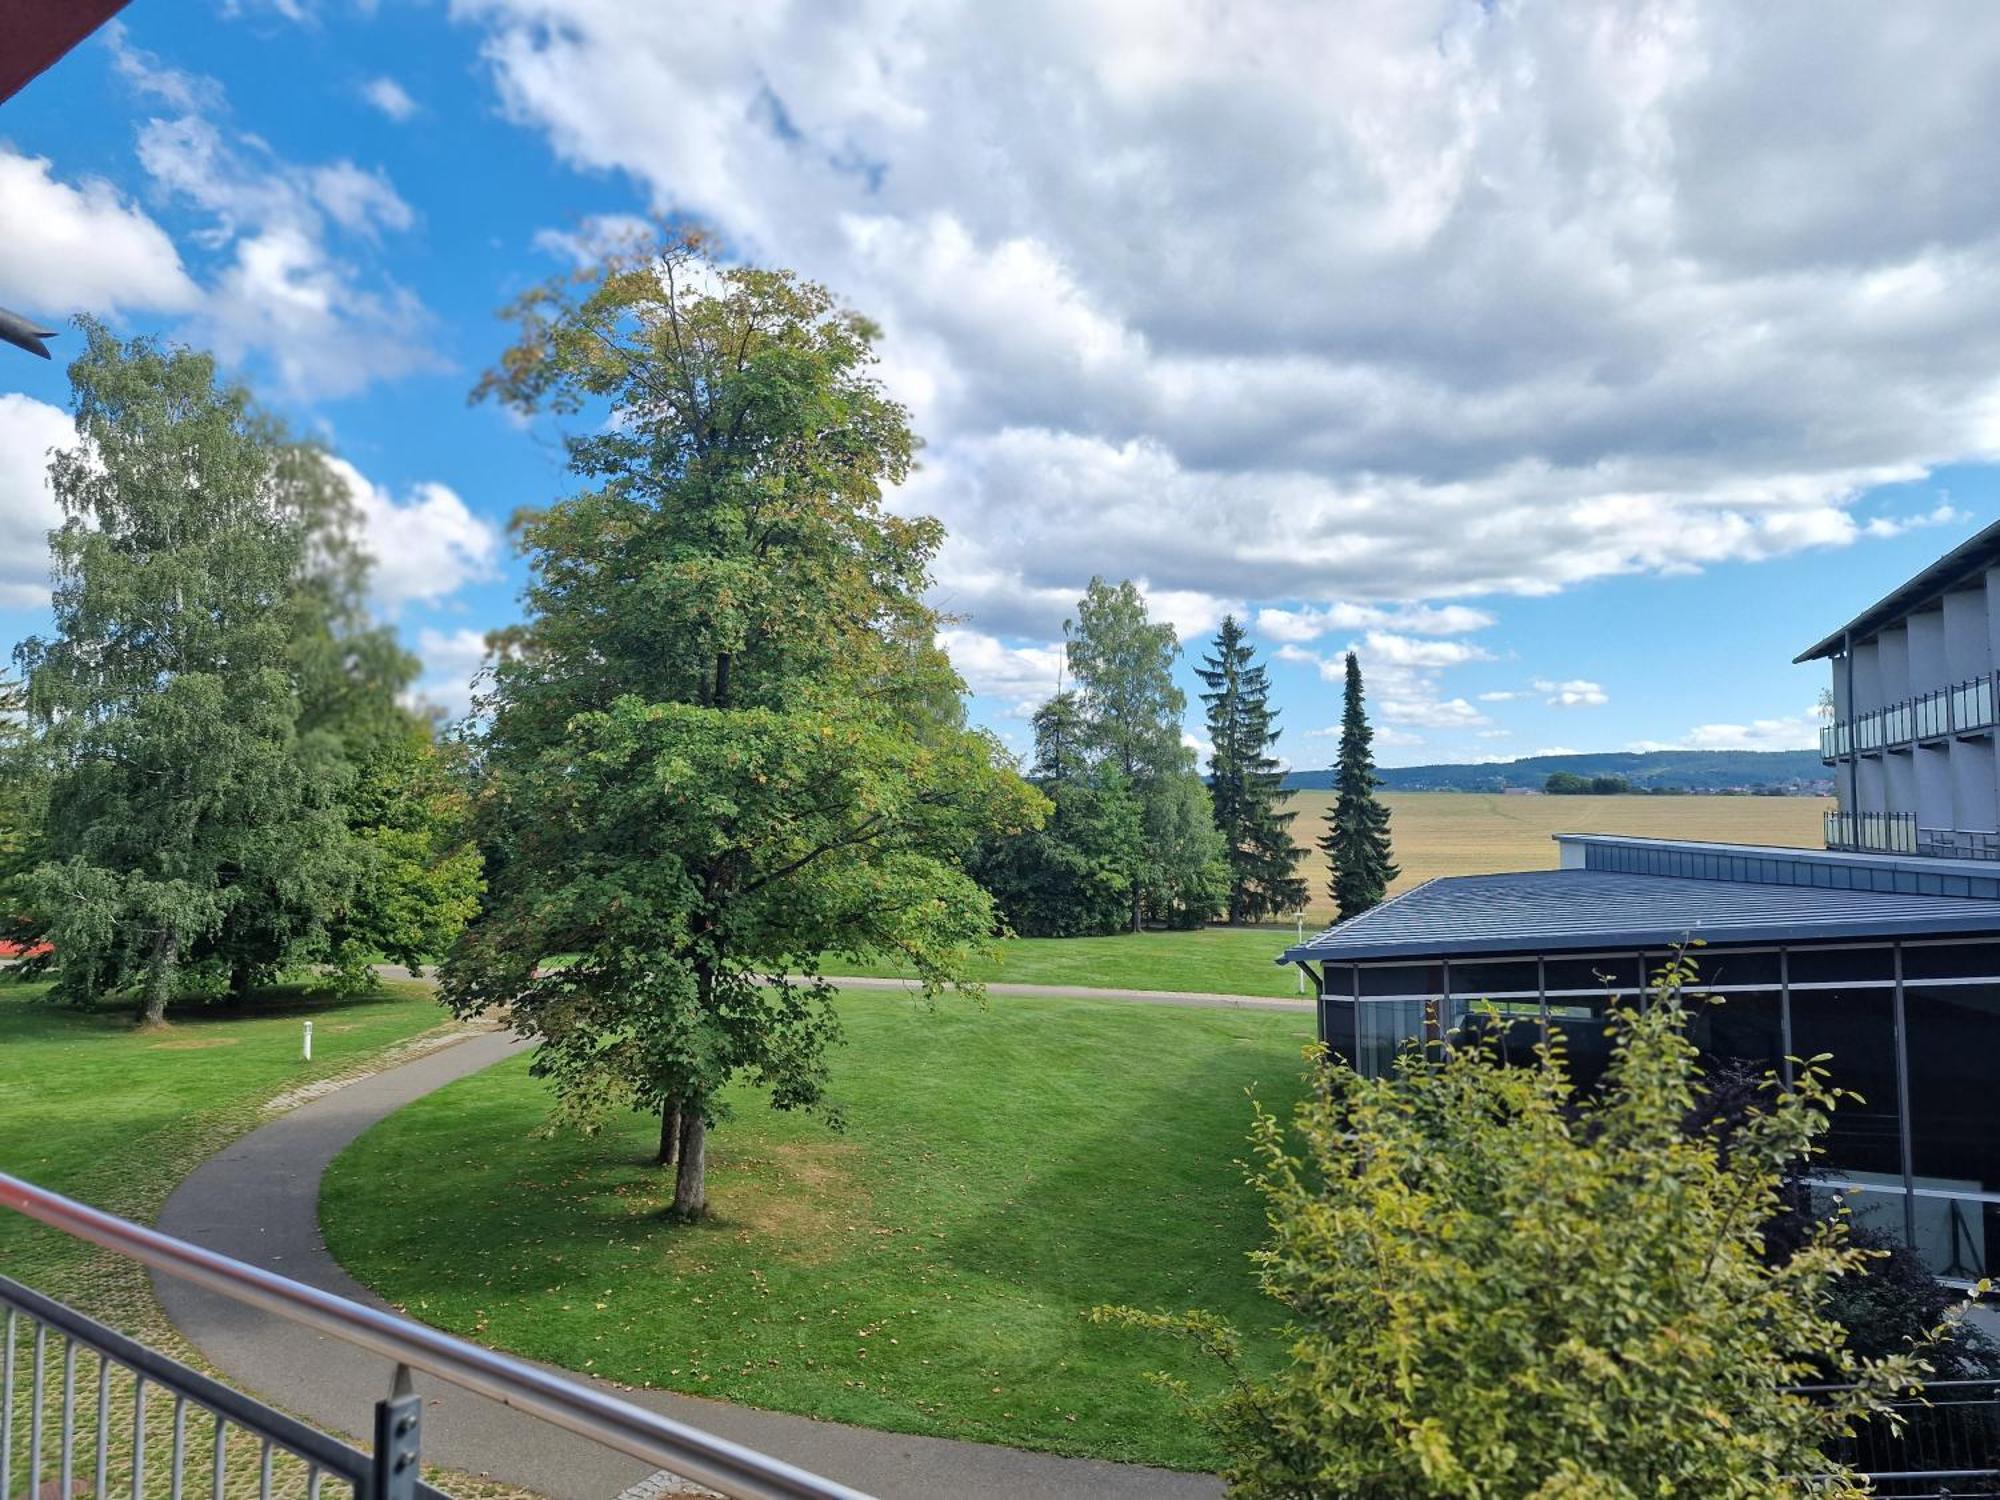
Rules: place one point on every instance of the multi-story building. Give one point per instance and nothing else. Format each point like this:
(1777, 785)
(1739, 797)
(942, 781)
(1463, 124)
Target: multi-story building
(1882, 950)
(1911, 741)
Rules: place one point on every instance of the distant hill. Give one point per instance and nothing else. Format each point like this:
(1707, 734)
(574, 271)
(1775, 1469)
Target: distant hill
(1687, 770)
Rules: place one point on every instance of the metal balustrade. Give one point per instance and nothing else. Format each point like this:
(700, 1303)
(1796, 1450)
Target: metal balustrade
(1886, 833)
(1963, 708)
(76, 1418)
(1958, 843)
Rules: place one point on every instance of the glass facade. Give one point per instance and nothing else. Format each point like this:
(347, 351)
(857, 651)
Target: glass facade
(1913, 1029)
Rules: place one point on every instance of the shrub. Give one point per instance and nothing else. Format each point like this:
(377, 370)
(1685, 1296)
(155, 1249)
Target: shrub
(1499, 1286)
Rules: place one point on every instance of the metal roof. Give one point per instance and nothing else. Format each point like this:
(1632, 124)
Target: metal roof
(1969, 557)
(1552, 911)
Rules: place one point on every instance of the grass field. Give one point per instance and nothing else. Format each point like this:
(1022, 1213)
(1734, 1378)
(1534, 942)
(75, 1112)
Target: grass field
(93, 1108)
(1004, 1170)
(1474, 833)
(116, 1116)
(1215, 960)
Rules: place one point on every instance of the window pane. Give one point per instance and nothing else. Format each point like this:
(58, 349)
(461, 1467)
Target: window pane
(1722, 966)
(1609, 971)
(1958, 1239)
(1877, 1213)
(1954, 1036)
(1402, 979)
(1385, 1027)
(1747, 1026)
(1336, 1029)
(1514, 1026)
(1951, 961)
(1840, 965)
(1858, 1028)
(1586, 1041)
(1339, 980)
(1474, 979)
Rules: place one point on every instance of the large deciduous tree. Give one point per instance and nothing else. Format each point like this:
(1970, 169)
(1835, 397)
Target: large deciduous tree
(1131, 711)
(724, 742)
(166, 701)
(1245, 786)
(1356, 841)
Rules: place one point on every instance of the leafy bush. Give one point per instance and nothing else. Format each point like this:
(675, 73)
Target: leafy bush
(1501, 1286)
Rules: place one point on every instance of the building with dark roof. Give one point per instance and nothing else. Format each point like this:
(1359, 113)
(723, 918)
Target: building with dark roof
(1882, 950)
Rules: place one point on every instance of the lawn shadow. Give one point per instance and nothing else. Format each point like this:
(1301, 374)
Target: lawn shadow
(1149, 1202)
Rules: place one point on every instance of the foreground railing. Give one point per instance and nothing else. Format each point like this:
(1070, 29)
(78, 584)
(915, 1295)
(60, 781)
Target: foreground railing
(105, 1432)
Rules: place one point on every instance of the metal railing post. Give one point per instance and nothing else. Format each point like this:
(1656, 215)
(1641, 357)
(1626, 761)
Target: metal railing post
(398, 1442)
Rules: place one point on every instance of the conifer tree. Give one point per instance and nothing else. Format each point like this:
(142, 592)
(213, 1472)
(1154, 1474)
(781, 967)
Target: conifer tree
(1245, 785)
(1356, 841)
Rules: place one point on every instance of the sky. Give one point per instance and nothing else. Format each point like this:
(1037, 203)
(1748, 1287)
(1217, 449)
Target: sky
(1575, 365)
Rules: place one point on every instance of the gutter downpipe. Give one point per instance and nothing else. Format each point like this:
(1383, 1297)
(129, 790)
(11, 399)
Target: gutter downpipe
(1853, 741)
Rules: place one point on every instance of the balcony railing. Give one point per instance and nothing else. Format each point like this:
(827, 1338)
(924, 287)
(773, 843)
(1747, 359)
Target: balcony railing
(1964, 708)
(1884, 833)
(201, 1435)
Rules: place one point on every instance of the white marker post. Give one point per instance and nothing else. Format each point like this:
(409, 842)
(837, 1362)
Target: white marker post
(308, 1056)
(1300, 969)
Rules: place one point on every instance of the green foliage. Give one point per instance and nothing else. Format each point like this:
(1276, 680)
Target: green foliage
(1570, 784)
(1244, 782)
(166, 702)
(1501, 1286)
(420, 880)
(1356, 841)
(1130, 713)
(1073, 876)
(20, 810)
(724, 741)
(1186, 876)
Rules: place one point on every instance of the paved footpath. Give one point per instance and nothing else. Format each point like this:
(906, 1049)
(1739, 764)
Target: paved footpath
(258, 1200)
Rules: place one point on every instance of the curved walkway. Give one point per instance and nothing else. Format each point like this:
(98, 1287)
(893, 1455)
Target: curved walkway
(258, 1200)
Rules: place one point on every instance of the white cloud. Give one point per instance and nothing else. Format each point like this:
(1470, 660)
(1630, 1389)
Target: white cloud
(391, 98)
(1577, 692)
(1431, 713)
(28, 430)
(426, 546)
(359, 200)
(594, 237)
(1791, 732)
(1401, 651)
(1501, 695)
(1533, 290)
(286, 292)
(450, 661)
(82, 248)
(1022, 677)
(1313, 621)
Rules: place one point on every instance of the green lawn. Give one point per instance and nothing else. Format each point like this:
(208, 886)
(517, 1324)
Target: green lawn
(93, 1108)
(1213, 960)
(1004, 1169)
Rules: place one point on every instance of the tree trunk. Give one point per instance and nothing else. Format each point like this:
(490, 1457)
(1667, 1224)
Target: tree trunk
(670, 1131)
(691, 1185)
(239, 985)
(159, 977)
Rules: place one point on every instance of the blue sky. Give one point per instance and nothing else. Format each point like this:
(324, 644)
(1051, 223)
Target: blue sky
(1576, 369)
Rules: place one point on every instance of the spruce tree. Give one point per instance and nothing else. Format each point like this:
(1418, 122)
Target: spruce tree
(1356, 841)
(1245, 785)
